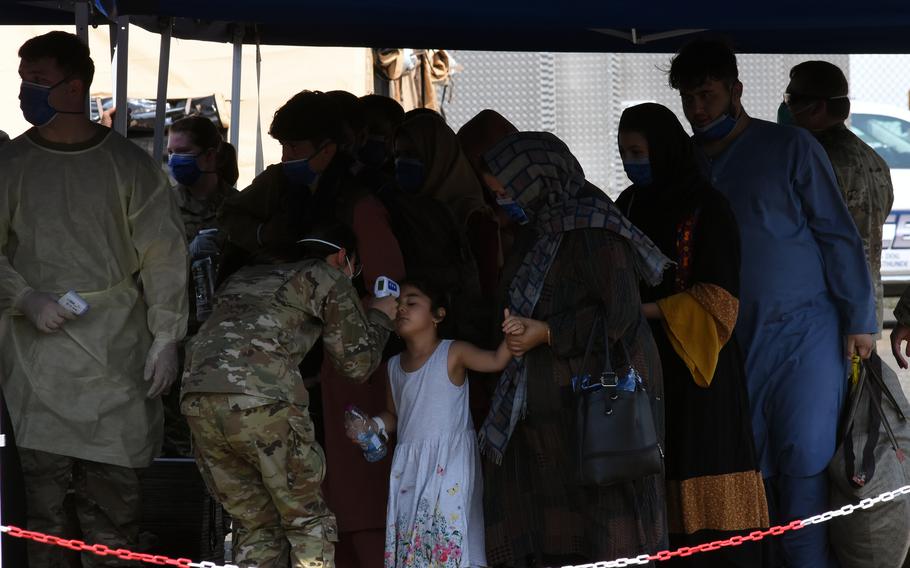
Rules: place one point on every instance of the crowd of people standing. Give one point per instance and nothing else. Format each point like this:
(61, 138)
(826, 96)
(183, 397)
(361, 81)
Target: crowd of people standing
(734, 279)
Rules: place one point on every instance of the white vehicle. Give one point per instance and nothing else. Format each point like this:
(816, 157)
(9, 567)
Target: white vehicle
(887, 130)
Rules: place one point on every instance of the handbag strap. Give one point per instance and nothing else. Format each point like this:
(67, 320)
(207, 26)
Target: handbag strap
(601, 318)
(875, 364)
(584, 361)
(880, 383)
(856, 480)
(847, 424)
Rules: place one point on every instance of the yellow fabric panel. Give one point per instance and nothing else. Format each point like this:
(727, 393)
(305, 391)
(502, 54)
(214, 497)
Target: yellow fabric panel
(693, 333)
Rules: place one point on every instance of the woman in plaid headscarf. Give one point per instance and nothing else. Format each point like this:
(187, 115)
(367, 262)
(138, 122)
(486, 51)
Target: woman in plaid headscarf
(574, 257)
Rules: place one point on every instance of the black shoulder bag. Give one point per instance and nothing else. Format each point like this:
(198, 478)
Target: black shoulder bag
(616, 436)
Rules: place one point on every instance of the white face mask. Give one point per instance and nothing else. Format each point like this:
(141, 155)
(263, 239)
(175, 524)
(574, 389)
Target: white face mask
(352, 273)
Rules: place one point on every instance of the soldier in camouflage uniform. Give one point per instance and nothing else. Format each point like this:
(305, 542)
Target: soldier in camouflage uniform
(817, 100)
(248, 408)
(205, 167)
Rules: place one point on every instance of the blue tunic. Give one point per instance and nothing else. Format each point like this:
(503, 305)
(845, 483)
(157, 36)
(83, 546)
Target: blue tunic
(805, 284)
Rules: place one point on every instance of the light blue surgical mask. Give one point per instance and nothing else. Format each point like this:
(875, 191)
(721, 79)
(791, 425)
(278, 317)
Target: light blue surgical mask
(720, 127)
(410, 174)
(514, 211)
(717, 129)
(33, 100)
(639, 171)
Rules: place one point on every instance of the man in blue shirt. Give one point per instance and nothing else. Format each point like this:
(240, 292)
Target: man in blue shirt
(806, 290)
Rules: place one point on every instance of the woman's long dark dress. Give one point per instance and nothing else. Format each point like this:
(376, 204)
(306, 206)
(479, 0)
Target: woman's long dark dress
(536, 515)
(714, 488)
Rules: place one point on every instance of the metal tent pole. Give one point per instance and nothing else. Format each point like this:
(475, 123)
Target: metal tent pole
(235, 87)
(121, 58)
(82, 12)
(260, 161)
(164, 61)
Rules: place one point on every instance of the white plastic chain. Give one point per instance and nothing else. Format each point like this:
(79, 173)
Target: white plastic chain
(867, 503)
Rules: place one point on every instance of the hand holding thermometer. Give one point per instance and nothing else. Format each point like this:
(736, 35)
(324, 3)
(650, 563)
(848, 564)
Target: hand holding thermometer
(385, 286)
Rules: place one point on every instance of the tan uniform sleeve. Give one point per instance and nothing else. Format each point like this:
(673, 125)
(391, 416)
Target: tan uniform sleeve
(157, 235)
(352, 338)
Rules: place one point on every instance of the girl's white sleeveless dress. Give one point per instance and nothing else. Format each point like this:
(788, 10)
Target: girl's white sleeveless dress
(435, 512)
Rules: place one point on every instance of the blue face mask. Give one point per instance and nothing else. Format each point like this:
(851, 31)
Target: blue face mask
(639, 172)
(373, 153)
(513, 210)
(410, 174)
(299, 172)
(33, 100)
(717, 129)
(184, 168)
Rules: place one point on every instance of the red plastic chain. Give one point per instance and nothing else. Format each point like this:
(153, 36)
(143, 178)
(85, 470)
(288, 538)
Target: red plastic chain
(99, 549)
(754, 536)
(123, 554)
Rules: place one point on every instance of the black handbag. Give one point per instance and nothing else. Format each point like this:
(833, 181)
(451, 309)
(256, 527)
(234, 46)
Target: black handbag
(616, 434)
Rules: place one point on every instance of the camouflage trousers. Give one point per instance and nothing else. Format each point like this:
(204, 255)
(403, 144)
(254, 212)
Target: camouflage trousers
(262, 462)
(106, 498)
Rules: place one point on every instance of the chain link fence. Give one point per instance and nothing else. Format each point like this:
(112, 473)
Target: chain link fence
(580, 96)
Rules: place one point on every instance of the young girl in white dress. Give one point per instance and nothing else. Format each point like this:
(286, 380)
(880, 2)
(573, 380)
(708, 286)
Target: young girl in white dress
(435, 511)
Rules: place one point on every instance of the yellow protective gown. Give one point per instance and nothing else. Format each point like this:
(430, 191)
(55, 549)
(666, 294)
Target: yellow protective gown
(98, 218)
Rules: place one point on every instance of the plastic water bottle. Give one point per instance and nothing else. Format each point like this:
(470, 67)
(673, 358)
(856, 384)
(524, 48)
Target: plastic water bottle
(372, 444)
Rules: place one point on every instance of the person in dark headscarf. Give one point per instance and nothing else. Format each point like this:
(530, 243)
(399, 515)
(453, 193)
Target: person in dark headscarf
(714, 487)
(430, 161)
(491, 243)
(478, 135)
(576, 261)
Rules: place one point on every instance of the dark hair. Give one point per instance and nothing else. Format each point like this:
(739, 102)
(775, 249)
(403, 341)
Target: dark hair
(308, 115)
(820, 81)
(202, 132)
(69, 52)
(382, 114)
(333, 232)
(420, 111)
(438, 298)
(702, 60)
(350, 115)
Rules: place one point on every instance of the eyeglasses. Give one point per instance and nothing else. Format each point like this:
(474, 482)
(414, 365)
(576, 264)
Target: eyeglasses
(796, 98)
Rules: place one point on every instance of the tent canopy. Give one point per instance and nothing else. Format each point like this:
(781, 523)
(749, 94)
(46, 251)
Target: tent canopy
(771, 26)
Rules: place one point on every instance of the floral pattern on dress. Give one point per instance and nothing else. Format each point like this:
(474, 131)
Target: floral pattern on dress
(432, 541)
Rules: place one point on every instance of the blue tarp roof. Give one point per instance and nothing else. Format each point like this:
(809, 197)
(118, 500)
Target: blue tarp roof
(18, 13)
(769, 26)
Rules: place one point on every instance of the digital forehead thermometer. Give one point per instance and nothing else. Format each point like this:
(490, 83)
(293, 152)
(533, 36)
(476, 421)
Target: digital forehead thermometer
(385, 286)
(73, 302)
